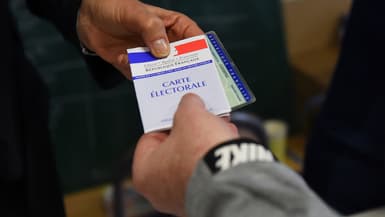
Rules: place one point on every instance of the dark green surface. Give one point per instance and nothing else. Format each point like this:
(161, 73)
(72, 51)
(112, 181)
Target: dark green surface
(92, 128)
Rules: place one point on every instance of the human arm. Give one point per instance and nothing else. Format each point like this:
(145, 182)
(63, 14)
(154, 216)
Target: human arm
(252, 189)
(110, 27)
(247, 185)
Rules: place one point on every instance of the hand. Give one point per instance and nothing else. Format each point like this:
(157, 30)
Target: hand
(110, 27)
(163, 163)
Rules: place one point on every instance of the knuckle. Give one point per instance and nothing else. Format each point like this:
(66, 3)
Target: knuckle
(151, 23)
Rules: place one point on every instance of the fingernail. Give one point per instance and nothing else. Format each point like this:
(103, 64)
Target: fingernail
(160, 48)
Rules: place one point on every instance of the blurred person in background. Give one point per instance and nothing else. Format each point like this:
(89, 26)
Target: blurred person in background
(345, 157)
(28, 176)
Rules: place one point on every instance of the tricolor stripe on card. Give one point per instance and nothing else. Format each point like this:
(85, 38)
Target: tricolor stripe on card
(190, 47)
(142, 57)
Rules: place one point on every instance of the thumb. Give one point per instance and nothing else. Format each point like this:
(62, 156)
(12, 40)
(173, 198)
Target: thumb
(153, 32)
(191, 100)
(192, 116)
(190, 108)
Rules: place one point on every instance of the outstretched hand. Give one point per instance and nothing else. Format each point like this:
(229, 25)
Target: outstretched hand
(110, 27)
(163, 163)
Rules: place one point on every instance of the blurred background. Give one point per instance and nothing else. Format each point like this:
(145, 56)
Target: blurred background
(285, 49)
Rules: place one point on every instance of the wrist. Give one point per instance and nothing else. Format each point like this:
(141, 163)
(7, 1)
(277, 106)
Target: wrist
(87, 51)
(80, 23)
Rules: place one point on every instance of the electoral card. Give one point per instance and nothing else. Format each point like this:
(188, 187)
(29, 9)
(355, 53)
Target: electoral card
(237, 91)
(160, 83)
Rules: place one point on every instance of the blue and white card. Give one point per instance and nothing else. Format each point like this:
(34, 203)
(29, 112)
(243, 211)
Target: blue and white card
(161, 83)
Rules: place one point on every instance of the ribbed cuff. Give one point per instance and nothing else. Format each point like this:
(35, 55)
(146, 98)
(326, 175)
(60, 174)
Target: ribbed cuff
(235, 152)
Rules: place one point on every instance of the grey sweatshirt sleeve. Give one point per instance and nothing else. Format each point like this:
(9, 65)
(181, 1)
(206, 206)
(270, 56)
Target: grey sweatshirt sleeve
(254, 187)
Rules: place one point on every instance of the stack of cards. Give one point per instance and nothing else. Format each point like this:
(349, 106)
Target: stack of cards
(197, 65)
